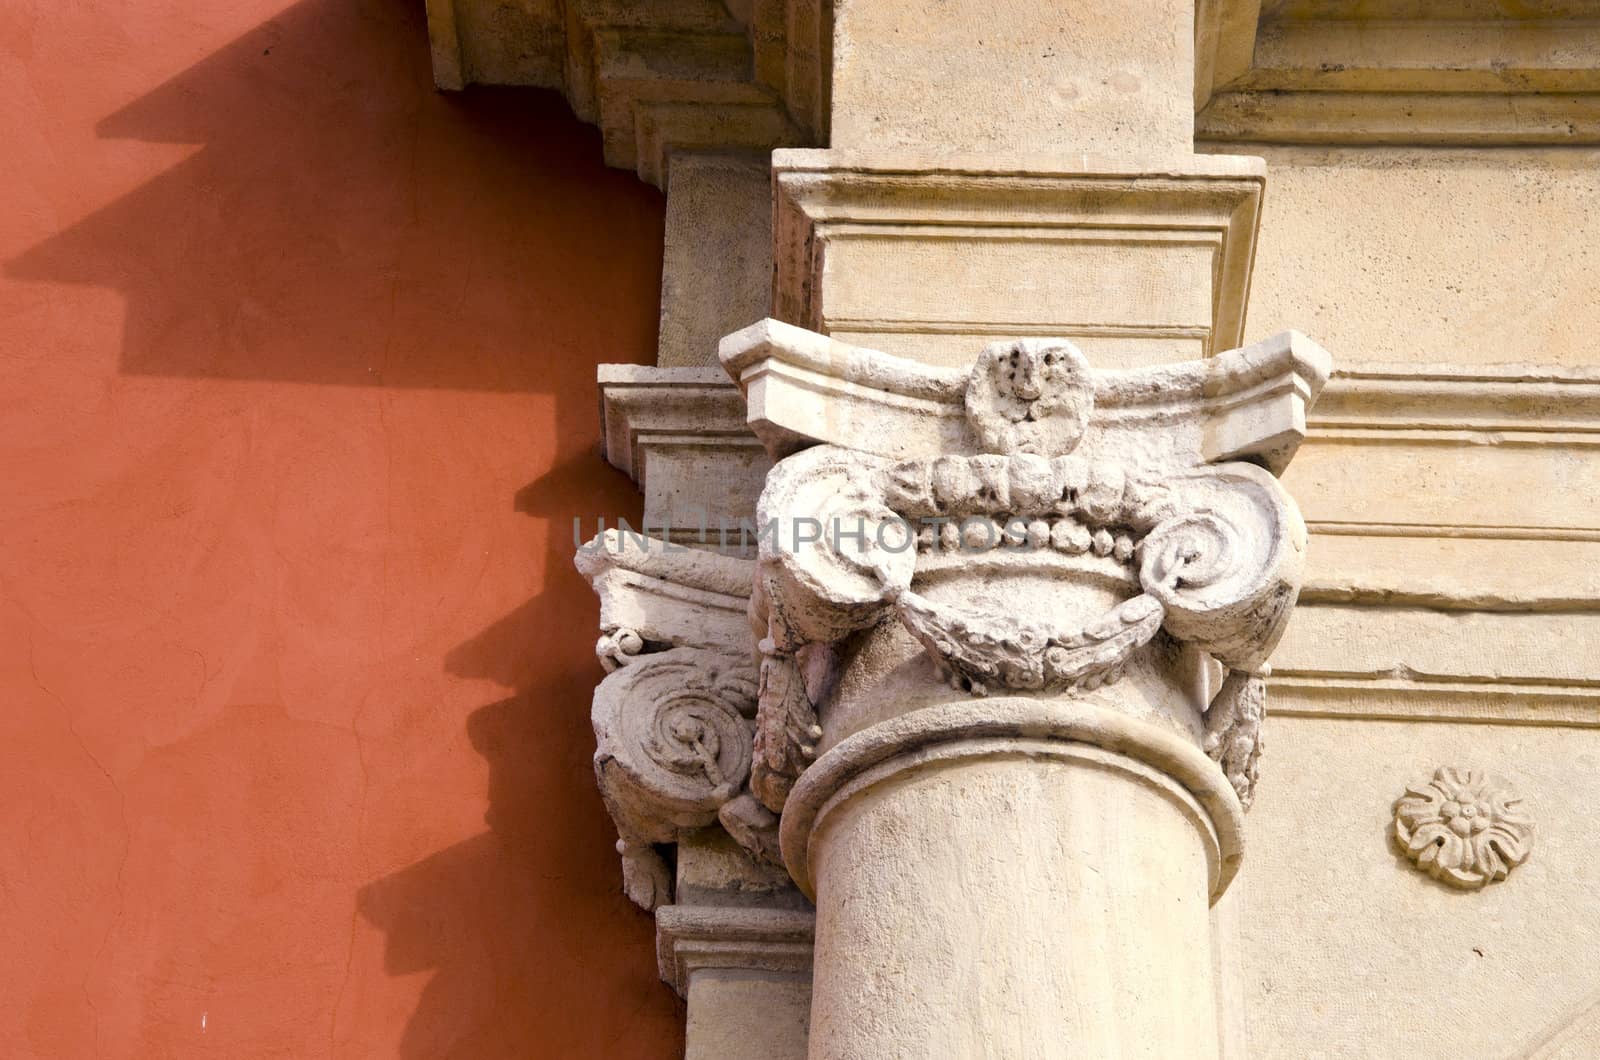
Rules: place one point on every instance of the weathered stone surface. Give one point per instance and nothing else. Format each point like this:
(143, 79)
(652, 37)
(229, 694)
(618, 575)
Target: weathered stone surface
(1065, 679)
(1025, 565)
(659, 78)
(1327, 841)
(931, 255)
(1209, 554)
(716, 275)
(680, 433)
(1107, 78)
(672, 721)
(1400, 71)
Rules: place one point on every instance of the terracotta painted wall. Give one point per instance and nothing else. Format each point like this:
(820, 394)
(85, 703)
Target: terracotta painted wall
(296, 406)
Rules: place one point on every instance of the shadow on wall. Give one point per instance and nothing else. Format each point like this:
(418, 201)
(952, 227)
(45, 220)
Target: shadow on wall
(406, 270)
(518, 921)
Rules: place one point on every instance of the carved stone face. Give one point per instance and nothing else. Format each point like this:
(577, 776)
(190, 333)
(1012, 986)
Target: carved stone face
(1025, 379)
(1030, 396)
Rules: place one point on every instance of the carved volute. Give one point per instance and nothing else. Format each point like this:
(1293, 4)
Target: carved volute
(1029, 528)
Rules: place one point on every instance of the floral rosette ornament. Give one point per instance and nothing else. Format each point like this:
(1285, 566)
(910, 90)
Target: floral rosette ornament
(1463, 827)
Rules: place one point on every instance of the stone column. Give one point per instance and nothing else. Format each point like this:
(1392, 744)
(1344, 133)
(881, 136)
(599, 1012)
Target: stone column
(1014, 623)
(1014, 613)
(1011, 614)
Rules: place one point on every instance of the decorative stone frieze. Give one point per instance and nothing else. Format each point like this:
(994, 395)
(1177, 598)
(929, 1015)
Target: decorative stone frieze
(1463, 827)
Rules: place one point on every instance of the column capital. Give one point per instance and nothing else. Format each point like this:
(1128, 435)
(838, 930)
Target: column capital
(1029, 527)
(673, 719)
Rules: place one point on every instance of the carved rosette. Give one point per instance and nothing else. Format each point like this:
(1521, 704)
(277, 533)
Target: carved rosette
(1208, 554)
(1463, 827)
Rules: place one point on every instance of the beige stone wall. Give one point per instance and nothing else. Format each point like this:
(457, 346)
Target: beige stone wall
(1460, 255)
(1449, 609)
(1347, 951)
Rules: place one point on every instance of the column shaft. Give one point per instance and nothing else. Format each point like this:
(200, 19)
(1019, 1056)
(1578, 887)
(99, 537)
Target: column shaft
(1017, 900)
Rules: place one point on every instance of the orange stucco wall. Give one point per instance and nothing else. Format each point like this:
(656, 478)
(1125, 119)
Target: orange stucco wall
(296, 408)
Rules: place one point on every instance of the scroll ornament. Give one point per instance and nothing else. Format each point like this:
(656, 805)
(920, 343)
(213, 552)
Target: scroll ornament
(1215, 552)
(674, 734)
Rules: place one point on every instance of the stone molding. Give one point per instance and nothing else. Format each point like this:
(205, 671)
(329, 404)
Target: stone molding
(1409, 118)
(1247, 403)
(1224, 43)
(1420, 446)
(694, 938)
(1018, 727)
(1392, 72)
(659, 77)
(1451, 611)
(668, 595)
(1446, 609)
(1188, 232)
(642, 406)
(1464, 700)
(689, 425)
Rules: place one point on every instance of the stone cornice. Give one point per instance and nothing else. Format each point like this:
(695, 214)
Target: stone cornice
(655, 77)
(643, 406)
(1539, 399)
(753, 75)
(665, 428)
(1224, 41)
(1411, 118)
(1243, 404)
(1398, 72)
(640, 402)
